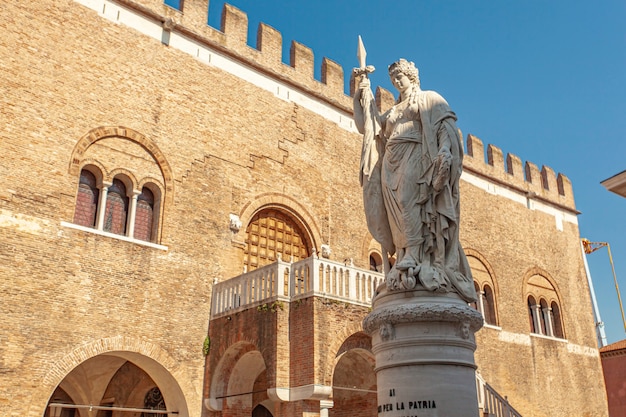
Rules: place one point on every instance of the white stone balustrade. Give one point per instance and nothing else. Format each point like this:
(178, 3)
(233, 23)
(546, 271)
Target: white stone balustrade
(269, 283)
(286, 281)
(321, 277)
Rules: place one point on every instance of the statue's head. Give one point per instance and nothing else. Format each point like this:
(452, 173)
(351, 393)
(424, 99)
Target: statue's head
(407, 68)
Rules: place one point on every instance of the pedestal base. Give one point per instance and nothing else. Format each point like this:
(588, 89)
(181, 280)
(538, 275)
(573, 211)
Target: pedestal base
(424, 348)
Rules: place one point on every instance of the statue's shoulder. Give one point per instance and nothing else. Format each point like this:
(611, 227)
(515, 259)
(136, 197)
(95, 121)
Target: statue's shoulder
(433, 96)
(434, 101)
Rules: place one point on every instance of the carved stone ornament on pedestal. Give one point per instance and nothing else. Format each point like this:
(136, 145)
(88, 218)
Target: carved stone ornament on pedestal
(421, 325)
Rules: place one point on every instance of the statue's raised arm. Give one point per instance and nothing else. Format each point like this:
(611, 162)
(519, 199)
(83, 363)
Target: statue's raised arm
(364, 109)
(366, 118)
(365, 112)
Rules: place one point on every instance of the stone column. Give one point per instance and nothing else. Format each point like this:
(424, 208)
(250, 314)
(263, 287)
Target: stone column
(536, 313)
(547, 317)
(424, 347)
(132, 212)
(102, 205)
(481, 302)
(325, 406)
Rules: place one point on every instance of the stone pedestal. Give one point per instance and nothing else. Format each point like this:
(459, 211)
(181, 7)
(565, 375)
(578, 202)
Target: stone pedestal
(424, 347)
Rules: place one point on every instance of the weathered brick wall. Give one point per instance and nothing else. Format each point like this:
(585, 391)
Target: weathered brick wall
(69, 294)
(302, 357)
(614, 365)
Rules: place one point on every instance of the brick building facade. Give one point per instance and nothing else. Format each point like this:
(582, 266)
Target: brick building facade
(148, 160)
(614, 367)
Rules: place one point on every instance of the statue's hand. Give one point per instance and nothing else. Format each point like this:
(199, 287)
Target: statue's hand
(364, 84)
(442, 169)
(364, 92)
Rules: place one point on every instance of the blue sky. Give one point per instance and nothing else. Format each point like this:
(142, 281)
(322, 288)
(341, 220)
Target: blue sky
(545, 80)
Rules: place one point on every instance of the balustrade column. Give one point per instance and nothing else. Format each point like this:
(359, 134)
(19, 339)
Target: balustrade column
(316, 276)
(352, 285)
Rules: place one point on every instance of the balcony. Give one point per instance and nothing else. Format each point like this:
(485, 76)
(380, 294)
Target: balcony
(286, 282)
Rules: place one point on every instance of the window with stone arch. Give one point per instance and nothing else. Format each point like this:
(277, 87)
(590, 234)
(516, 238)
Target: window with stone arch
(544, 311)
(124, 184)
(485, 287)
(273, 233)
(117, 207)
(376, 261)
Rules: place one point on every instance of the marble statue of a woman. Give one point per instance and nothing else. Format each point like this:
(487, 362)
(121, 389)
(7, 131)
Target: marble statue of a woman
(410, 169)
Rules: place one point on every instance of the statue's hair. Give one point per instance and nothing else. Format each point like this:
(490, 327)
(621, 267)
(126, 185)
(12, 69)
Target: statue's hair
(407, 68)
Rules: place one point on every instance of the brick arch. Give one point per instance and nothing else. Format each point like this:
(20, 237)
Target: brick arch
(348, 330)
(76, 159)
(221, 375)
(100, 175)
(162, 368)
(128, 178)
(150, 180)
(476, 254)
(353, 367)
(289, 205)
(542, 272)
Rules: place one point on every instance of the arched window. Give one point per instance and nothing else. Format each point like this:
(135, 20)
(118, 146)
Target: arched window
(109, 207)
(116, 211)
(489, 308)
(144, 215)
(376, 262)
(122, 200)
(270, 233)
(153, 401)
(484, 286)
(556, 320)
(86, 200)
(532, 314)
(544, 307)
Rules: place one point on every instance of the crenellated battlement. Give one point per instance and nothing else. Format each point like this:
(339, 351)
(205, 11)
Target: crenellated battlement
(231, 40)
(538, 184)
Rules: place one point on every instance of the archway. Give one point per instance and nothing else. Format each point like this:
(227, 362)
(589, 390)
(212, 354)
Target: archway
(114, 384)
(354, 385)
(239, 383)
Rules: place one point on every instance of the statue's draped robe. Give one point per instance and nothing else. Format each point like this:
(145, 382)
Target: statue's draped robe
(401, 195)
